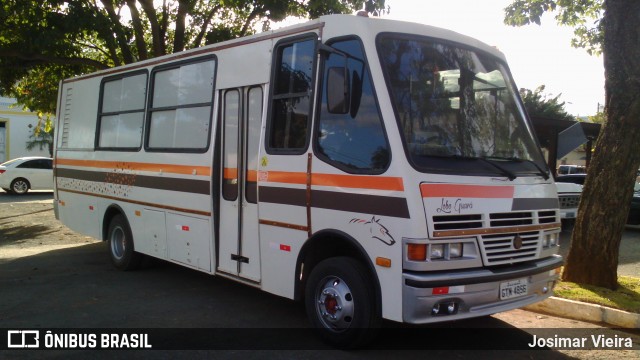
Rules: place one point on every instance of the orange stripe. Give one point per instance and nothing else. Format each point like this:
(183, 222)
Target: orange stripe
(165, 168)
(252, 176)
(230, 173)
(346, 181)
(466, 191)
(287, 177)
(361, 182)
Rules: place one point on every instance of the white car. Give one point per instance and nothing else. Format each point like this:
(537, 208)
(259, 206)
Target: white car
(569, 197)
(28, 173)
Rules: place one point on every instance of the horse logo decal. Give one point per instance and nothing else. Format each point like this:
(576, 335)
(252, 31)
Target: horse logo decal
(378, 231)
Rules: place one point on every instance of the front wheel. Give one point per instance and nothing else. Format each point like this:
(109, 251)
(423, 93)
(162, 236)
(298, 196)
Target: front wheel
(341, 303)
(120, 242)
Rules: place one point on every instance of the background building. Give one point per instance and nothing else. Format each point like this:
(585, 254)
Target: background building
(16, 127)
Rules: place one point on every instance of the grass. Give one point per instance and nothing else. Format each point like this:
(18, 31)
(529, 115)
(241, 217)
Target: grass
(626, 297)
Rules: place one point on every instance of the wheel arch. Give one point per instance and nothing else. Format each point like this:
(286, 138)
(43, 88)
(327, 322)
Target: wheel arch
(331, 243)
(109, 214)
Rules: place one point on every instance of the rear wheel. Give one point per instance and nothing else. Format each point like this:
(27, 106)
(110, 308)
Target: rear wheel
(340, 302)
(120, 241)
(20, 186)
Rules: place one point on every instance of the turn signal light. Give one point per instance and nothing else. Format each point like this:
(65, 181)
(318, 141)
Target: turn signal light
(417, 252)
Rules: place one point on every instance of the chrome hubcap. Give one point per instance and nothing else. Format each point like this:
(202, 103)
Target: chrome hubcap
(20, 187)
(335, 305)
(118, 243)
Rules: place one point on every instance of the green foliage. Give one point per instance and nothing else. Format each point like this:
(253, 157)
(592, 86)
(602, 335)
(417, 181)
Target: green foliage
(599, 118)
(583, 15)
(626, 297)
(42, 134)
(45, 41)
(544, 105)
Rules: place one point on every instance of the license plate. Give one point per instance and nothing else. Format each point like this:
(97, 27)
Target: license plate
(513, 289)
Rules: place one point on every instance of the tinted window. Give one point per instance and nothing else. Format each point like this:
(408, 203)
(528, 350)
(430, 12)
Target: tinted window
(36, 164)
(355, 141)
(291, 98)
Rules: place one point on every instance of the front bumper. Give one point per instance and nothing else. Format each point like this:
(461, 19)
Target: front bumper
(474, 292)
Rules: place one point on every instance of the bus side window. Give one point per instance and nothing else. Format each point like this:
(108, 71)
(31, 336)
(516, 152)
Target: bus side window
(292, 80)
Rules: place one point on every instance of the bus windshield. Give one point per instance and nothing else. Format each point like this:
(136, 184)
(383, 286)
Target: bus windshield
(452, 102)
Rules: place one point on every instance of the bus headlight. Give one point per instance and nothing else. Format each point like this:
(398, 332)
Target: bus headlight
(437, 251)
(455, 250)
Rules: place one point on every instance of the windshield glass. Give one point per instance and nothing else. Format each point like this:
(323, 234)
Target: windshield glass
(453, 102)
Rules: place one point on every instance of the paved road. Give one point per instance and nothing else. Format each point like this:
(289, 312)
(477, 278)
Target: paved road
(77, 287)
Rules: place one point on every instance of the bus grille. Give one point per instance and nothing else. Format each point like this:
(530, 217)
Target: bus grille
(568, 201)
(498, 247)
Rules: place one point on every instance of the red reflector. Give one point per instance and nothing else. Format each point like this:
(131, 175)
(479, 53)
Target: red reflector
(185, 228)
(285, 247)
(91, 208)
(440, 290)
(2, 171)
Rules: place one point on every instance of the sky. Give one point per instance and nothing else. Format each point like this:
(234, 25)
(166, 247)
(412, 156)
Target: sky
(537, 55)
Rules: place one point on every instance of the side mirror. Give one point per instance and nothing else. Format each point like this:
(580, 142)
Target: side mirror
(338, 90)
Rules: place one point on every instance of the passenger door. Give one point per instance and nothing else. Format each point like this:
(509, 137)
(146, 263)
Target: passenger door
(241, 115)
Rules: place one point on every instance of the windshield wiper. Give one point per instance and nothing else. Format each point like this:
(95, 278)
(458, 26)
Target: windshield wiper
(541, 171)
(504, 171)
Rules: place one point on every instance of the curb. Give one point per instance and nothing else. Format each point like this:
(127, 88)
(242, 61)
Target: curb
(587, 312)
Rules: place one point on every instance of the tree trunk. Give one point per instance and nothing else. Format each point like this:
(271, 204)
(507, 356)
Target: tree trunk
(156, 33)
(605, 202)
(178, 40)
(117, 29)
(141, 45)
(205, 26)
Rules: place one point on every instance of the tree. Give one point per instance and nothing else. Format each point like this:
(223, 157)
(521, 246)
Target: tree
(543, 105)
(595, 242)
(45, 41)
(41, 136)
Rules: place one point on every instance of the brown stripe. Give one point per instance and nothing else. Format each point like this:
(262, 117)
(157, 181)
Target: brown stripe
(151, 182)
(360, 203)
(283, 196)
(284, 225)
(534, 203)
(142, 203)
(308, 189)
(366, 204)
(506, 230)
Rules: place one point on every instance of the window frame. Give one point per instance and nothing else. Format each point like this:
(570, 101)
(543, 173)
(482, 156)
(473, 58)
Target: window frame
(276, 60)
(101, 114)
(150, 109)
(316, 128)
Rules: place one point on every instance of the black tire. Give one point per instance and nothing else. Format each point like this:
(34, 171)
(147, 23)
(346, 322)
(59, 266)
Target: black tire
(120, 244)
(341, 303)
(20, 186)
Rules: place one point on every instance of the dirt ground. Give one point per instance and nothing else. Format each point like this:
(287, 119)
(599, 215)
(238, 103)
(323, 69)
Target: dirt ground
(28, 226)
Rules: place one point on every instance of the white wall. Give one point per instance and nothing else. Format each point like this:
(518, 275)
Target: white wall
(18, 125)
